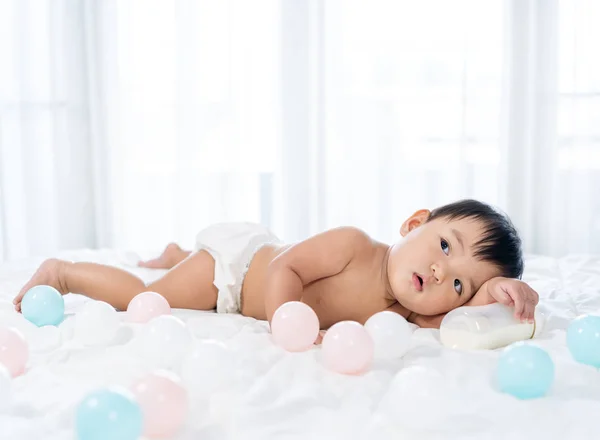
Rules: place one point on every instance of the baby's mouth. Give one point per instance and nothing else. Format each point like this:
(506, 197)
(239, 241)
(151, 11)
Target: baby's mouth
(418, 282)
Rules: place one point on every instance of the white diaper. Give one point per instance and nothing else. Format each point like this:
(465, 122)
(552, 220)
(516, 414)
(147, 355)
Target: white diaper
(233, 246)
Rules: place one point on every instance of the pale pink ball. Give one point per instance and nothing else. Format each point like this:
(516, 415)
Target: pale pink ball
(347, 348)
(295, 326)
(14, 351)
(146, 306)
(164, 403)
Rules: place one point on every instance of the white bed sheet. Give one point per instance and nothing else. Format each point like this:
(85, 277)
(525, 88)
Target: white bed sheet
(432, 393)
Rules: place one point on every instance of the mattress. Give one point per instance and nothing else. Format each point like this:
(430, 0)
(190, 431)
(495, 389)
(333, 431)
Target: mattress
(433, 392)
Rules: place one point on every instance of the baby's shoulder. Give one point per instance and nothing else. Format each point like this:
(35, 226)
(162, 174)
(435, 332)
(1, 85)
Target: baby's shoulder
(352, 232)
(341, 245)
(352, 235)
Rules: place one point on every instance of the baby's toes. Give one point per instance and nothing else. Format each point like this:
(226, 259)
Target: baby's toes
(156, 263)
(19, 297)
(31, 283)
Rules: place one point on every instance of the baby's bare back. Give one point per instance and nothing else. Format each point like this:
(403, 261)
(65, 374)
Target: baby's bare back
(356, 293)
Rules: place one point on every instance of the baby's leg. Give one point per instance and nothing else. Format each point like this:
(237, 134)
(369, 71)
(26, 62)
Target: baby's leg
(171, 257)
(188, 285)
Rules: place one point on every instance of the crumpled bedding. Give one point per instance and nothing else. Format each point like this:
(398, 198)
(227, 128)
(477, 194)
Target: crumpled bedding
(261, 392)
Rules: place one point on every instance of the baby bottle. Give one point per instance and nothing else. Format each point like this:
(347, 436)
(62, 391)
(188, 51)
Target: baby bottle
(487, 327)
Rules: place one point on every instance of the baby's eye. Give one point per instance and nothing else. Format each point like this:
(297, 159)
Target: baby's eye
(458, 286)
(445, 246)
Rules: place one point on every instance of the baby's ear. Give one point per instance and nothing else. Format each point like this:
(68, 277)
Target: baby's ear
(417, 219)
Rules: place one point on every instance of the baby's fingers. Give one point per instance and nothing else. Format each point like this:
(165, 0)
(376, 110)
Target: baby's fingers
(502, 297)
(528, 312)
(519, 306)
(535, 298)
(320, 337)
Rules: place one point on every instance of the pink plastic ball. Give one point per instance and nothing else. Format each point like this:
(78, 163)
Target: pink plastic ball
(164, 404)
(14, 351)
(295, 326)
(347, 348)
(146, 306)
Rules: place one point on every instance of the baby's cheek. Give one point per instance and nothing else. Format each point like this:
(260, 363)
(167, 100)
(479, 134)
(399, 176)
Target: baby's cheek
(398, 286)
(434, 305)
(447, 303)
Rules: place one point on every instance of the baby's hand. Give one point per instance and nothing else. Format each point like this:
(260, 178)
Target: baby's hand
(320, 337)
(513, 292)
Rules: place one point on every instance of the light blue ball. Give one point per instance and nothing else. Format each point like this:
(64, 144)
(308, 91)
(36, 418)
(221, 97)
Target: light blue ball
(43, 305)
(583, 340)
(110, 413)
(525, 371)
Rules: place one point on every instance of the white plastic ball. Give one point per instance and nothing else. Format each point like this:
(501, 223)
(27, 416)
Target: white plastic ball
(164, 341)
(208, 367)
(39, 339)
(45, 339)
(391, 334)
(5, 389)
(97, 323)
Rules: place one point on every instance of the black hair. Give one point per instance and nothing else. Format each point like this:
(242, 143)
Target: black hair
(500, 243)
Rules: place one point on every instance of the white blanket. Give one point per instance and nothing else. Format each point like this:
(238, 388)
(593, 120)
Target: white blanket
(432, 393)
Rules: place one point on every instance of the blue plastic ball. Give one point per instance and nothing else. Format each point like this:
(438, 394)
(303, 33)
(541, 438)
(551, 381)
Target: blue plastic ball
(525, 371)
(583, 340)
(43, 305)
(110, 413)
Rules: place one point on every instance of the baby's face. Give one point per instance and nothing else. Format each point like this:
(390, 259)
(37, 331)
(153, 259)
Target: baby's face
(433, 270)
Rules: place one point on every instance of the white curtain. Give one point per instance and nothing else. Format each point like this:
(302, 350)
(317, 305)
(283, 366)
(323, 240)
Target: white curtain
(133, 123)
(47, 171)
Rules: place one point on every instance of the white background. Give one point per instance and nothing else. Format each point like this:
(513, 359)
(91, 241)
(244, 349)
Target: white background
(133, 123)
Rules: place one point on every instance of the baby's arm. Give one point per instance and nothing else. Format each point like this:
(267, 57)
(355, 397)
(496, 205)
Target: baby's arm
(324, 255)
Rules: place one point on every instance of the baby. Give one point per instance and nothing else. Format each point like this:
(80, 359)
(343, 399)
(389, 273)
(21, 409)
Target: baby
(464, 253)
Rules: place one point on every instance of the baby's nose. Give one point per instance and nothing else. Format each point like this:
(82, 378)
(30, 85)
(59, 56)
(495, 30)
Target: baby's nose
(438, 273)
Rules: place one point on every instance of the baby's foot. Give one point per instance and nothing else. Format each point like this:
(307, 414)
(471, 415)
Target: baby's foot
(50, 273)
(168, 259)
